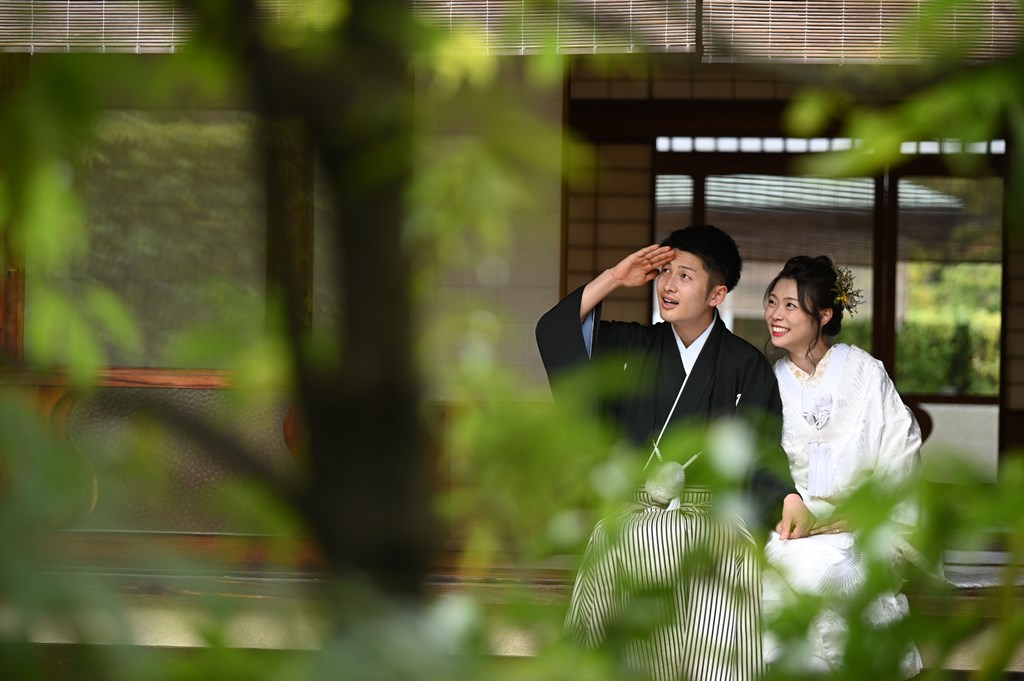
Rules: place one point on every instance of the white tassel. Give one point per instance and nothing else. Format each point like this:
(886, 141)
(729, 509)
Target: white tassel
(665, 485)
(819, 470)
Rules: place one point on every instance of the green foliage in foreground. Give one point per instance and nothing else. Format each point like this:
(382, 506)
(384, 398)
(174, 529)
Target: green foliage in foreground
(530, 479)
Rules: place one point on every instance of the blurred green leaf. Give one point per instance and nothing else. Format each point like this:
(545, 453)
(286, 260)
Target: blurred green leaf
(812, 110)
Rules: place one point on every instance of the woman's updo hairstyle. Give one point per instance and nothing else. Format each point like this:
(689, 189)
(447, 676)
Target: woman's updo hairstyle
(815, 284)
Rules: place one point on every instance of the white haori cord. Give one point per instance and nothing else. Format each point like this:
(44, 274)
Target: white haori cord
(676, 502)
(819, 469)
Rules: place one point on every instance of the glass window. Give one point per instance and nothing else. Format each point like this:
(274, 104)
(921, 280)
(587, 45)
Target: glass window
(327, 297)
(174, 205)
(949, 292)
(674, 196)
(674, 200)
(774, 217)
(164, 480)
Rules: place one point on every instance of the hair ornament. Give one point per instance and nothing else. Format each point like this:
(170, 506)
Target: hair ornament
(847, 296)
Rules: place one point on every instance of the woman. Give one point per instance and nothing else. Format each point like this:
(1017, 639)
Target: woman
(844, 425)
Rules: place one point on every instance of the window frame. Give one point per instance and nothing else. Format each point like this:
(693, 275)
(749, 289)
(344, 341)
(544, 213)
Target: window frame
(700, 165)
(289, 183)
(600, 120)
(934, 166)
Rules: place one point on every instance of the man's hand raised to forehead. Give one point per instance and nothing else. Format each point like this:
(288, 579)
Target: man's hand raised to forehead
(643, 266)
(635, 269)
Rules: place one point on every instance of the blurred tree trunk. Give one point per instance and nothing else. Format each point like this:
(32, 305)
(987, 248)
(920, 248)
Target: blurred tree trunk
(367, 498)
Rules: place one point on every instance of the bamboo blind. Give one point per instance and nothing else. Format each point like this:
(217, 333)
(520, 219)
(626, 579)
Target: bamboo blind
(567, 26)
(840, 31)
(827, 31)
(92, 26)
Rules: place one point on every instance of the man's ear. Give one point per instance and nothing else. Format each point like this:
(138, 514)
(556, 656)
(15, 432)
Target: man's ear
(717, 295)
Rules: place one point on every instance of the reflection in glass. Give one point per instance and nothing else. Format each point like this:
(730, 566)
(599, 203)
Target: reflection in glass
(174, 207)
(949, 291)
(772, 218)
(674, 198)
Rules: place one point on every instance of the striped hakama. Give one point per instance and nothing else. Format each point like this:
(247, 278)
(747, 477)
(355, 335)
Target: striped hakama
(673, 595)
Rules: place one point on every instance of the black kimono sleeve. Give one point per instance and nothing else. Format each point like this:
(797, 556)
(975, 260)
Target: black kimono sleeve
(623, 399)
(560, 338)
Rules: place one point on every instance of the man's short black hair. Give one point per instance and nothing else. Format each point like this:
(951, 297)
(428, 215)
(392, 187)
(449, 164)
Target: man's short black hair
(716, 248)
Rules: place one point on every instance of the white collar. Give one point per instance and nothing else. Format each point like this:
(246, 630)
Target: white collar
(829, 381)
(689, 354)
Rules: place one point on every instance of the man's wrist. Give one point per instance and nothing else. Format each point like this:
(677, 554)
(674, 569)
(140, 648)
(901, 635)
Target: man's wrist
(612, 280)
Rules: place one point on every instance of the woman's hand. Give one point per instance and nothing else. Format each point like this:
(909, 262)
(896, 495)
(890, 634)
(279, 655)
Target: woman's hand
(831, 526)
(797, 519)
(641, 267)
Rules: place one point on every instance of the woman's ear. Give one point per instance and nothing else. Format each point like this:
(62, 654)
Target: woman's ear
(826, 316)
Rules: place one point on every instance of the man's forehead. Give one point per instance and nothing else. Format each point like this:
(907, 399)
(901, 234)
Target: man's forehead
(687, 260)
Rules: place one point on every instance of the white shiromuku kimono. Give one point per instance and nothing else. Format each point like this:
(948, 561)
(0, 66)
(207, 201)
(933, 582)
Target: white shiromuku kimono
(842, 425)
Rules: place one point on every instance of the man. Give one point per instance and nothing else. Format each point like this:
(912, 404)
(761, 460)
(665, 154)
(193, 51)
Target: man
(687, 369)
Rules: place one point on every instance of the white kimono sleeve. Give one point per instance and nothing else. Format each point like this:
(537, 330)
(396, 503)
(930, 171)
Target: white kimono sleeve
(899, 450)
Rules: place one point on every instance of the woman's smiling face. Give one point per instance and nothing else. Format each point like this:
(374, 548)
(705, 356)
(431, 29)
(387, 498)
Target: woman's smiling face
(791, 329)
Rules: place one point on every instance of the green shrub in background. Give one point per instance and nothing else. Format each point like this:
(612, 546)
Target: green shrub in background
(949, 342)
(939, 355)
(949, 356)
(856, 332)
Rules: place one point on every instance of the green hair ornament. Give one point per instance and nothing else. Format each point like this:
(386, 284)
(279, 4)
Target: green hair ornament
(847, 296)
